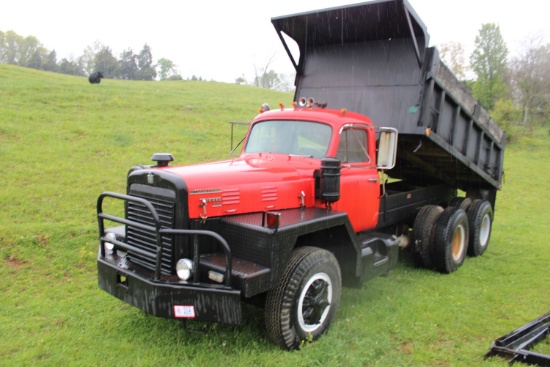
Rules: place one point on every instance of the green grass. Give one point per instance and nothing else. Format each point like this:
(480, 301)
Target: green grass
(64, 141)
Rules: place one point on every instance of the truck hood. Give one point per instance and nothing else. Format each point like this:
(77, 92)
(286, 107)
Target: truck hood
(251, 183)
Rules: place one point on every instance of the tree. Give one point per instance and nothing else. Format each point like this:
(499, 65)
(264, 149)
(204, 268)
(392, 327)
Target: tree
(167, 70)
(10, 42)
(127, 65)
(35, 60)
(105, 62)
(50, 63)
(146, 69)
(88, 56)
(2, 47)
(240, 80)
(22, 51)
(452, 53)
(264, 78)
(30, 52)
(488, 61)
(70, 67)
(268, 80)
(530, 76)
(506, 115)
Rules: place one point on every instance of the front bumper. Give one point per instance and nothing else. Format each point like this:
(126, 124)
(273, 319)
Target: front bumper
(170, 299)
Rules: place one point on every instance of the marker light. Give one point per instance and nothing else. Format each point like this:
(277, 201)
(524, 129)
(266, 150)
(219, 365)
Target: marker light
(184, 267)
(273, 220)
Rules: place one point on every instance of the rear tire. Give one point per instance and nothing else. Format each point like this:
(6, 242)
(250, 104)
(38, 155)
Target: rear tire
(423, 233)
(450, 242)
(480, 219)
(462, 203)
(302, 306)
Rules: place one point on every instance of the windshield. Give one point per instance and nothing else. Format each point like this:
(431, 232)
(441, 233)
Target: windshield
(304, 138)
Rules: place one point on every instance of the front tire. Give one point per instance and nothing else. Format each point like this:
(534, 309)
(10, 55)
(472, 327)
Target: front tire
(302, 306)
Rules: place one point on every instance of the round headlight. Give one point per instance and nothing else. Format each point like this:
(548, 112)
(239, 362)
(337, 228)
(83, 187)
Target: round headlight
(109, 237)
(184, 267)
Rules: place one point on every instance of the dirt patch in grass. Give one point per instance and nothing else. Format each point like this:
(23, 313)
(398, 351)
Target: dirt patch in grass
(12, 262)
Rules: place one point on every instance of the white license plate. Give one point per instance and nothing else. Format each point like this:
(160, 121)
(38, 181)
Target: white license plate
(181, 311)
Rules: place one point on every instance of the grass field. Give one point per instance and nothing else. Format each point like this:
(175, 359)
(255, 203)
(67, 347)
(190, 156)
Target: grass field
(64, 141)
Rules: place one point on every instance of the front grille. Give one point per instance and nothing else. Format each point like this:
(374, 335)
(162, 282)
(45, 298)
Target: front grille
(146, 240)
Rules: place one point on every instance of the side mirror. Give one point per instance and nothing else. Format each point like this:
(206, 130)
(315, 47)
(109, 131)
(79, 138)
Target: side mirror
(387, 149)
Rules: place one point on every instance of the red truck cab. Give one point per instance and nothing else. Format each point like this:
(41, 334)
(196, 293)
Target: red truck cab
(305, 136)
(275, 171)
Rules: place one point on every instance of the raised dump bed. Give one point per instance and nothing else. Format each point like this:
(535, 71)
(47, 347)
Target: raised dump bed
(373, 58)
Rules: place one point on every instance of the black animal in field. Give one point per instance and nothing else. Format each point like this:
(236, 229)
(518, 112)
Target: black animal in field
(95, 77)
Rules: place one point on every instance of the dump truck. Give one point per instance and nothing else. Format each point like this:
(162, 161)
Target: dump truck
(382, 152)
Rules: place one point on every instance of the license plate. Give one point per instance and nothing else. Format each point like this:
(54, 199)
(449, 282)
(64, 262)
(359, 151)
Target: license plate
(181, 311)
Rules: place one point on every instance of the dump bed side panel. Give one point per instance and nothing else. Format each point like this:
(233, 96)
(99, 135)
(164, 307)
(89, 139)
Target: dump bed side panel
(373, 58)
(462, 142)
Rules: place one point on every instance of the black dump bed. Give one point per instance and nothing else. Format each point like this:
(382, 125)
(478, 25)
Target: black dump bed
(373, 58)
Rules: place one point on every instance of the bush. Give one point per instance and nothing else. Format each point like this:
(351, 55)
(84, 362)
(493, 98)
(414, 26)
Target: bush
(508, 117)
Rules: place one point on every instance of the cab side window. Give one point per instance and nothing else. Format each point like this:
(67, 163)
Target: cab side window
(353, 146)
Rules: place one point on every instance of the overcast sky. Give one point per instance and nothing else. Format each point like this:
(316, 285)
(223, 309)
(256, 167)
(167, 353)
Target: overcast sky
(222, 40)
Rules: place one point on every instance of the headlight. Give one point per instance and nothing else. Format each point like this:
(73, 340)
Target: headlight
(184, 267)
(108, 245)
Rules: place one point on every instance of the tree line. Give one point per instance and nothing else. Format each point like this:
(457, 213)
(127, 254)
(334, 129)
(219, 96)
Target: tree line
(29, 52)
(515, 90)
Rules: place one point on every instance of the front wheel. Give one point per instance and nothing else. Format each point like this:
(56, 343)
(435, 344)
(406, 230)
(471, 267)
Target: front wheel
(303, 304)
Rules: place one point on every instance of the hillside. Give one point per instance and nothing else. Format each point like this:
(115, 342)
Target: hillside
(64, 141)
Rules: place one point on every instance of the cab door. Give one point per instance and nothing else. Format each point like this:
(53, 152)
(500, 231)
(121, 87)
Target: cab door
(359, 180)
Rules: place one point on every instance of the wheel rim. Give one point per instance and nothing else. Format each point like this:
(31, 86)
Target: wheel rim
(459, 242)
(314, 302)
(485, 230)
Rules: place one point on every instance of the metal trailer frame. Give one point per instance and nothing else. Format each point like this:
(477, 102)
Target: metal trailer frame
(517, 343)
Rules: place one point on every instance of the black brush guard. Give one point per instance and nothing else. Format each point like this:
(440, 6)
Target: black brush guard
(159, 231)
(155, 293)
(517, 343)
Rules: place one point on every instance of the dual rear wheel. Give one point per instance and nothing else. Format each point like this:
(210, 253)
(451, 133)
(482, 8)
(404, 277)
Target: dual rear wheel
(443, 237)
